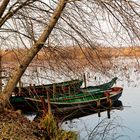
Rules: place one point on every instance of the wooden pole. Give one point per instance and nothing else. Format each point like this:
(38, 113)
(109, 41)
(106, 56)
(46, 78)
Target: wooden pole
(109, 108)
(49, 105)
(98, 108)
(85, 80)
(108, 113)
(54, 89)
(20, 85)
(44, 105)
(69, 90)
(30, 89)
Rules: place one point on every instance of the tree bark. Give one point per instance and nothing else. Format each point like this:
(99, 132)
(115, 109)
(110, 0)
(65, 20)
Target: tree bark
(6, 93)
(3, 6)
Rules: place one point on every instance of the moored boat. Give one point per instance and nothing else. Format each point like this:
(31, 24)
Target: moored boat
(81, 101)
(78, 113)
(55, 89)
(60, 89)
(18, 101)
(104, 86)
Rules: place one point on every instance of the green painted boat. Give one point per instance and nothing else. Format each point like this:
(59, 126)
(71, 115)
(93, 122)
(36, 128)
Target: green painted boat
(55, 89)
(82, 94)
(80, 101)
(85, 111)
(104, 86)
(82, 97)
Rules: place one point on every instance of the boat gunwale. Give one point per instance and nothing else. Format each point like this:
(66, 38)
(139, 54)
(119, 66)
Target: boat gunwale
(83, 102)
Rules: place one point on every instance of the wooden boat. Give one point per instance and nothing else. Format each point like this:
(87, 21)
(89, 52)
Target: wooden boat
(67, 105)
(78, 113)
(55, 89)
(102, 86)
(19, 102)
(59, 89)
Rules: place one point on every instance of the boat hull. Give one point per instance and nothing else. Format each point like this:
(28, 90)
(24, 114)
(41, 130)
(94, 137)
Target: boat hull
(85, 111)
(56, 89)
(66, 109)
(63, 109)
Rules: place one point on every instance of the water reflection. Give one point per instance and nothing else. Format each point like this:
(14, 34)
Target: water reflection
(89, 111)
(125, 121)
(88, 128)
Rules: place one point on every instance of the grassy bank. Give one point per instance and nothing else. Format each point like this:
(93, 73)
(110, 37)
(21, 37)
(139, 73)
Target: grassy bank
(14, 126)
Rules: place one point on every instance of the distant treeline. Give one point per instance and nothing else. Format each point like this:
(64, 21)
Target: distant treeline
(51, 53)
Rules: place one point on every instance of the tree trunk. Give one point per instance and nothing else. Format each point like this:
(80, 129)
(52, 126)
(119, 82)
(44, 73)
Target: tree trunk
(6, 93)
(3, 7)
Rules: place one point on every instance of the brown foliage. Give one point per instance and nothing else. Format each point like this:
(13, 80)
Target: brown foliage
(73, 53)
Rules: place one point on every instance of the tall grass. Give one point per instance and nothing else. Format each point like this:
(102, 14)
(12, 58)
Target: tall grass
(53, 132)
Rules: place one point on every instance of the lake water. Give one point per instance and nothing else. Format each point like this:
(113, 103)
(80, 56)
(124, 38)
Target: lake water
(123, 124)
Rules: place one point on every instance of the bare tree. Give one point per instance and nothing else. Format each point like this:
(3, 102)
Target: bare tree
(34, 24)
(33, 51)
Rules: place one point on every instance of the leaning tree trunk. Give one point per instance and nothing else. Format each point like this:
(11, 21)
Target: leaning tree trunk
(3, 6)
(6, 93)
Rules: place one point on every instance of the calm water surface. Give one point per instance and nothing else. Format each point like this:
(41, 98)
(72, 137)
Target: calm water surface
(123, 124)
